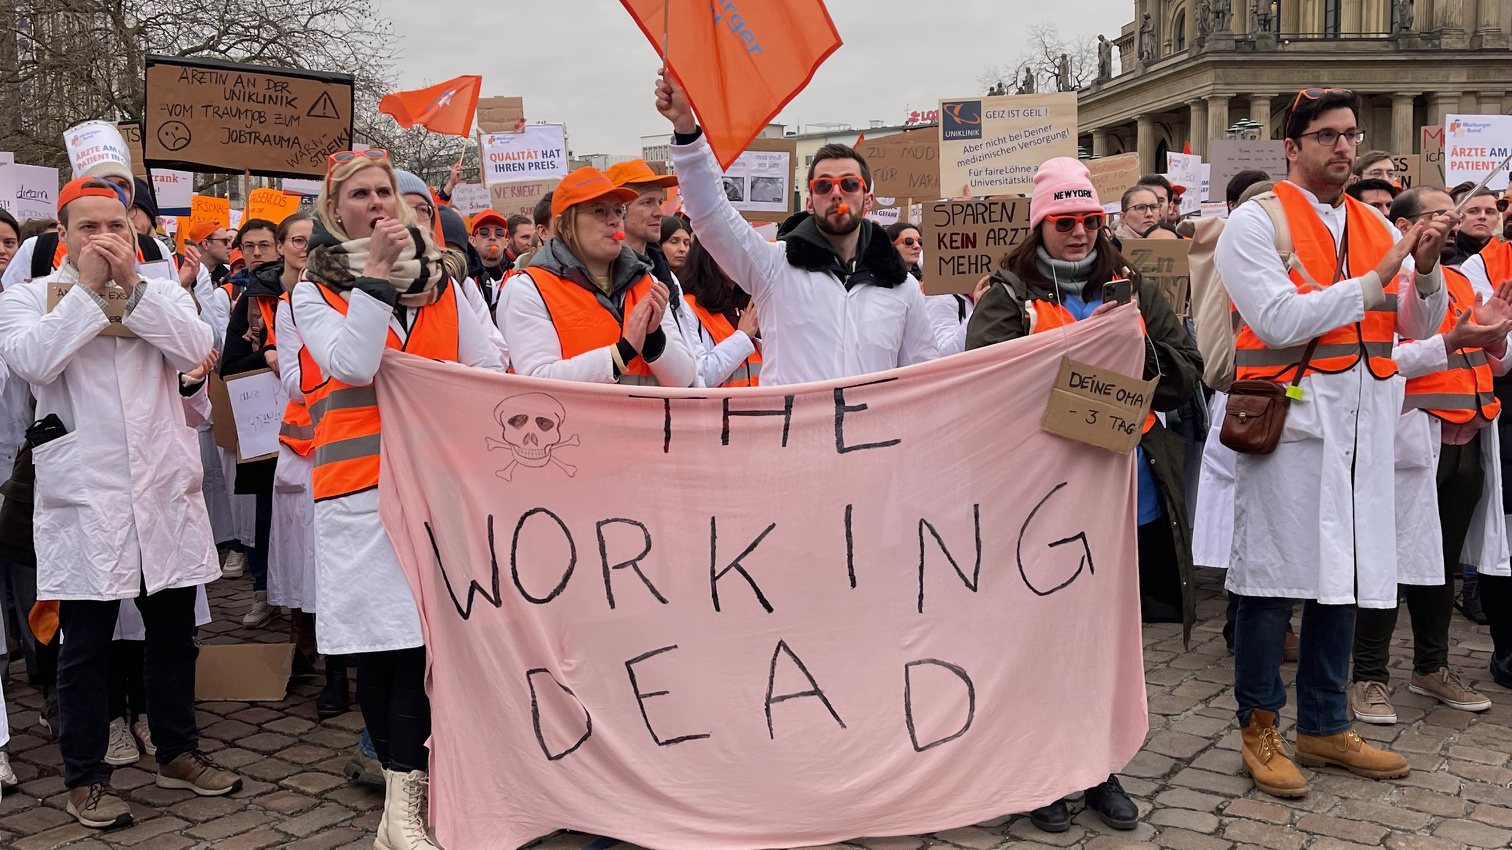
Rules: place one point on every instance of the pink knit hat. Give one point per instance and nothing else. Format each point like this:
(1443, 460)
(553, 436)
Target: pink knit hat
(1062, 186)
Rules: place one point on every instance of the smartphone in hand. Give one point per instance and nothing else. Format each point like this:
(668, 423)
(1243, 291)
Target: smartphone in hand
(1117, 291)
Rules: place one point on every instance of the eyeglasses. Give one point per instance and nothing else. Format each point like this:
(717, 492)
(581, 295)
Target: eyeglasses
(496, 232)
(1426, 212)
(601, 212)
(1501, 204)
(1144, 209)
(298, 241)
(1068, 223)
(219, 240)
(1311, 94)
(337, 158)
(849, 183)
(257, 246)
(1330, 137)
(909, 241)
(424, 211)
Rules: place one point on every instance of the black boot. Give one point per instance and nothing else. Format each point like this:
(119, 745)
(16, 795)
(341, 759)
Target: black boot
(1113, 805)
(1055, 817)
(1469, 602)
(333, 701)
(1501, 668)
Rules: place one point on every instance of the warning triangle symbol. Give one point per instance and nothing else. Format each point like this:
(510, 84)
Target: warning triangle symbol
(323, 107)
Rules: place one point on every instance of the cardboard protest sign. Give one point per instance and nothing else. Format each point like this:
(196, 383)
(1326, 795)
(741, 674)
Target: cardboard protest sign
(906, 164)
(1231, 156)
(258, 402)
(829, 661)
(1431, 143)
(500, 114)
(1099, 407)
(1409, 169)
(759, 183)
(93, 143)
(1475, 146)
(174, 190)
(539, 152)
(221, 416)
(36, 191)
(210, 208)
(520, 197)
(208, 115)
(996, 144)
(115, 307)
(131, 131)
(1113, 175)
(965, 240)
(305, 188)
(1163, 262)
(271, 204)
(469, 198)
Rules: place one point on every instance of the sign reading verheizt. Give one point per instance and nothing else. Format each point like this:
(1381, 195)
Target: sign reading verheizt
(206, 115)
(1474, 146)
(995, 144)
(538, 152)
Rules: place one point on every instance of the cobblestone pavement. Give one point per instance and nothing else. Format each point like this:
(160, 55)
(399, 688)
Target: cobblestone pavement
(1187, 780)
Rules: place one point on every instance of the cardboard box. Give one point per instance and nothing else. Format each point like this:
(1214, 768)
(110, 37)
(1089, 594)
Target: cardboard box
(243, 672)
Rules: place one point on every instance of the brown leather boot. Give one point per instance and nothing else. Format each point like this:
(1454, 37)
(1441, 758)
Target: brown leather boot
(1349, 751)
(1266, 759)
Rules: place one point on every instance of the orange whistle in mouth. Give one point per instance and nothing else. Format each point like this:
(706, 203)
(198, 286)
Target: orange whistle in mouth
(619, 235)
(843, 209)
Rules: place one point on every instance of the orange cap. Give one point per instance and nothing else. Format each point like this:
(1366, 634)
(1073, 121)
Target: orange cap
(486, 217)
(586, 184)
(236, 258)
(75, 189)
(202, 230)
(636, 171)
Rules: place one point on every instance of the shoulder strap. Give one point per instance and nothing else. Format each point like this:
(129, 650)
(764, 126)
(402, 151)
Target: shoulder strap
(1271, 203)
(42, 254)
(151, 251)
(1312, 345)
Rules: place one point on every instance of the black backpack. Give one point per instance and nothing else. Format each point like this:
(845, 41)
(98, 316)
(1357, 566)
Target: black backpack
(47, 246)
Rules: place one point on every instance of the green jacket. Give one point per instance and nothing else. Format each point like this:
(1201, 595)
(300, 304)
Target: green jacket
(1171, 354)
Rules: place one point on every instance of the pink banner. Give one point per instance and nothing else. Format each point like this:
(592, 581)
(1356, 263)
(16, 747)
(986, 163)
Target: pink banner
(774, 617)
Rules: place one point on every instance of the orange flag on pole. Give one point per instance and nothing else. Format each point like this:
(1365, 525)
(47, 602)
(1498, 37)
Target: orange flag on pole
(444, 108)
(739, 63)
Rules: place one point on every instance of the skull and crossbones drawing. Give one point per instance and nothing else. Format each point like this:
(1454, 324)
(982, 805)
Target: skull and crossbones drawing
(532, 424)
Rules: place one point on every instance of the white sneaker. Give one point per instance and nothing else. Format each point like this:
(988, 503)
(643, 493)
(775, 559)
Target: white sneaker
(144, 736)
(7, 776)
(260, 613)
(235, 566)
(122, 748)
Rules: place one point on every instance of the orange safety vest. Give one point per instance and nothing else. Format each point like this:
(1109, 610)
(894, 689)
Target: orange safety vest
(1498, 258)
(297, 431)
(1047, 315)
(748, 373)
(1341, 348)
(346, 417)
(583, 323)
(1463, 390)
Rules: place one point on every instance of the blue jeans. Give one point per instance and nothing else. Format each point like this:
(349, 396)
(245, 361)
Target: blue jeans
(1322, 667)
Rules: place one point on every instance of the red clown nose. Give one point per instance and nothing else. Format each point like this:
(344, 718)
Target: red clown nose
(843, 209)
(619, 235)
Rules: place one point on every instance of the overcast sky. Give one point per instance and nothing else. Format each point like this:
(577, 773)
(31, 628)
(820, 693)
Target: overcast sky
(585, 63)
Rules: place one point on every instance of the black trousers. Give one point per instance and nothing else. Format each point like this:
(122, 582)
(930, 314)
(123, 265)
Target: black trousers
(128, 693)
(169, 655)
(1496, 599)
(1460, 478)
(391, 690)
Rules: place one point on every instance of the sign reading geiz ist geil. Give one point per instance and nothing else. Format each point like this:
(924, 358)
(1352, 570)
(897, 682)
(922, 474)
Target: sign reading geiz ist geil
(768, 617)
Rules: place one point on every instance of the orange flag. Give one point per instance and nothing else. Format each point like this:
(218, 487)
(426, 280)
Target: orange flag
(444, 108)
(740, 61)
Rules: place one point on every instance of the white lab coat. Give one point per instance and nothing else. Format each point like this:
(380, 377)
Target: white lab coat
(1213, 519)
(479, 308)
(118, 499)
(291, 540)
(537, 349)
(1316, 518)
(948, 317)
(363, 600)
(812, 327)
(716, 361)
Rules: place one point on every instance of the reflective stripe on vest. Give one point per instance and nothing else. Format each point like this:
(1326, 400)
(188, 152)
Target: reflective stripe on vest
(345, 417)
(1047, 315)
(748, 373)
(1463, 389)
(584, 323)
(1340, 349)
(296, 430)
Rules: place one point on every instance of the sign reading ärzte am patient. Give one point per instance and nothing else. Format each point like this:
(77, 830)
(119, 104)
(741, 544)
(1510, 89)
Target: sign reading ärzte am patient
(1474, 146)
(212, 116)
(837, 647)
(996, 144)
(538, 152)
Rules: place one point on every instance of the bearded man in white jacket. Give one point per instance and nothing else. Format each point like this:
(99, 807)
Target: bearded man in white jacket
(119, 509)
